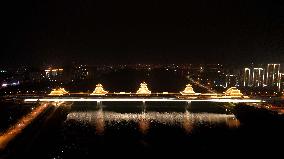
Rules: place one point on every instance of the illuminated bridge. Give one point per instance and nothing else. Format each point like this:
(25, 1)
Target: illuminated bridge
(99, 100)
(143, 94)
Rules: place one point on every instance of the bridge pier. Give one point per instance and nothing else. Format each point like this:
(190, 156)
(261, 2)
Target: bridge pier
(99, 103)
(143, 106)
(188, 105)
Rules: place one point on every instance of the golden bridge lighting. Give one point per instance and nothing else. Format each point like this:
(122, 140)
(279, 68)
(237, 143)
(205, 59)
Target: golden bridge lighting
(187, 94)
(99, 90)
(233, 92)
(58, 92)
(188, 90)
(218, 100)
(143, 90)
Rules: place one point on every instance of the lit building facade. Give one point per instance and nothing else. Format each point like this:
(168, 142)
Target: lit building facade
(281, 86)
(231, 81)
(258, 75)
(247, 77)
(54, 74)
(81, 73)
(273, 75)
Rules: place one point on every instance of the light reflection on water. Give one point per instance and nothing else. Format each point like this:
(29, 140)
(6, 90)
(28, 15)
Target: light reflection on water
(186, 120)
(91, 129)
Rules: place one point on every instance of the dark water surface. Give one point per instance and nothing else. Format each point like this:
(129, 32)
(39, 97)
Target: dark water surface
(85, 130)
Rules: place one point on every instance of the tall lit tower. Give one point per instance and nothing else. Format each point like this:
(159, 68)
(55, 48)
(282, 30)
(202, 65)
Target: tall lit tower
(247, 77)
(281, 86)
(273, 75)
(258, 77)
(231, 81)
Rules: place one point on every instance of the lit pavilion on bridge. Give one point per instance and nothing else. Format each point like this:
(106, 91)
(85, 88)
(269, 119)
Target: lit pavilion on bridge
(188, 90)
(58, 92)
(99, 90)
(234, 93)
(143, 90)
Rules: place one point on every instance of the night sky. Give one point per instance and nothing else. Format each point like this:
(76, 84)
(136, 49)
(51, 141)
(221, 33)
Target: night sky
(138, 31)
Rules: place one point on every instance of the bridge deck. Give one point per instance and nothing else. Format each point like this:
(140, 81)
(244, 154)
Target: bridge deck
(140, 100)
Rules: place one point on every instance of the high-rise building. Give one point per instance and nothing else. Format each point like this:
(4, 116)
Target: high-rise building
(81, 72)
(54, 74)
(281, 86)
(258, 77)
(273, 75)
(247, 77)
(231, 81)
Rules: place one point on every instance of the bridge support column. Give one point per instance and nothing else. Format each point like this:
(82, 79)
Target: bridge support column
(144, 106)
(99, 103)
(188, 105)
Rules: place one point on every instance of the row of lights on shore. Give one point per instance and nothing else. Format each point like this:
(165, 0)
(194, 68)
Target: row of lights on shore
(23, 92)
(267, 92)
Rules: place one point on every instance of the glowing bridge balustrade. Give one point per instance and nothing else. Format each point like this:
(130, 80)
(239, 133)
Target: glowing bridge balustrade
(142, 100)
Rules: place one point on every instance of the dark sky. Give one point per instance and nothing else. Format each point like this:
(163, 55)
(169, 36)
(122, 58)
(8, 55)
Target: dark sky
(194, 31)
